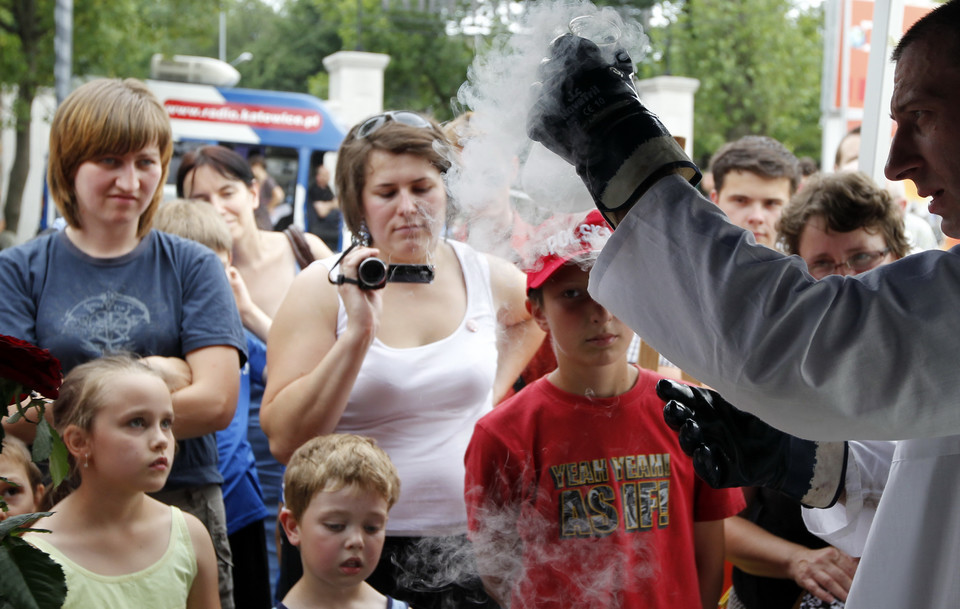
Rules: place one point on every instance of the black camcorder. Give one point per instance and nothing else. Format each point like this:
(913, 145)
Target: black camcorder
(373, 273)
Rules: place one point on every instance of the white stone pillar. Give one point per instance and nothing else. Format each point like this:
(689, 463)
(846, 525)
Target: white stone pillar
(356, 92)
(671, 99)
(356, 84)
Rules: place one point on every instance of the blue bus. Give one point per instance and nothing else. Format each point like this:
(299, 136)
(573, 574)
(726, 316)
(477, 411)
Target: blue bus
(292, 131)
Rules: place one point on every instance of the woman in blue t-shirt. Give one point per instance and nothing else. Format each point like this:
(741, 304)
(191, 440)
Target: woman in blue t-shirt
(108, 283)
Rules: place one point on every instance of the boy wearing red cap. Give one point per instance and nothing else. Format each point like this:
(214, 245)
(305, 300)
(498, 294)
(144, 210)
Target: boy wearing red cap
(578, 494)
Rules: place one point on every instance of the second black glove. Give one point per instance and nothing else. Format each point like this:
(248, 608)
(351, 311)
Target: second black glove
(732, 448)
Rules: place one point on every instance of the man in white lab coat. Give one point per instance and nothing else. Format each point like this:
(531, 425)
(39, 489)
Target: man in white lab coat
(871, 357)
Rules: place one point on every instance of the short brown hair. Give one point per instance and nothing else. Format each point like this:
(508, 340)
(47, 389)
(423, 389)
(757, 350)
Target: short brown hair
(757, 154)
(197, 221)
(393, 137)
(846, 201)
(105, 116)
(333, 461)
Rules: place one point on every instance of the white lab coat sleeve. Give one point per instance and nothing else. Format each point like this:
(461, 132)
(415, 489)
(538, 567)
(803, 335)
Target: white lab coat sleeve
(846, 524)
(865, 357)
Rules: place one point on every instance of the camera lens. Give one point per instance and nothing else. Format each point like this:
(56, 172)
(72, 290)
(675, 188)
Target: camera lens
(372, 274)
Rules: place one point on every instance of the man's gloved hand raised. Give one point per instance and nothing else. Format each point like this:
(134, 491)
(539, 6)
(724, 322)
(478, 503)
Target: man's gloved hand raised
(731, 448)
(588, 112)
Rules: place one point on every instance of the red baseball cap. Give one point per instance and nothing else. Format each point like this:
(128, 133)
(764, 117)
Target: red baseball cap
(562, 239)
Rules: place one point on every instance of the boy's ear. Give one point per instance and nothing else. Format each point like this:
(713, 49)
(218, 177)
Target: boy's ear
(290, 526)
(536, 311)
(39, 492)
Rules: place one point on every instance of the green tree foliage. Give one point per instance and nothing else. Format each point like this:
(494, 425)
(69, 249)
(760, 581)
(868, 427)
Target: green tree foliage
(426, 64)
(110, 38)
(288, 46)
(116, 38)
(759, 65)
(426, 67)
(26, 61)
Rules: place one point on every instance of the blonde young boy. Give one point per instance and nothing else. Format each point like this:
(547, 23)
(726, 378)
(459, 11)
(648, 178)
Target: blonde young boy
(577, 478)
(338, 491)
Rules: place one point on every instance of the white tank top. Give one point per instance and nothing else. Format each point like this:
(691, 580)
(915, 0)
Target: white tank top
(421, 404)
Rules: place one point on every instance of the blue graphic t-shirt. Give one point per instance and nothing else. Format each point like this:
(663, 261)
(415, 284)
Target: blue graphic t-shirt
(167, 297)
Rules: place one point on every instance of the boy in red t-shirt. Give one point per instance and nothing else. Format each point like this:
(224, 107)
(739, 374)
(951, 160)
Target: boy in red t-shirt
(578, 494)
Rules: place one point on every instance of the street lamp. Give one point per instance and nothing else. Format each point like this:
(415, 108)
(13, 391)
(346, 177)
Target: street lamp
(242, 57)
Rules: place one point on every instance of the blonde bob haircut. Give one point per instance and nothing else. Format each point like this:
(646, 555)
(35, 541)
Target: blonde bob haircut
(105, 116)
(334, 461)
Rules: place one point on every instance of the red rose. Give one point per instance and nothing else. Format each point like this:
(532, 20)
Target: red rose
(30, 366)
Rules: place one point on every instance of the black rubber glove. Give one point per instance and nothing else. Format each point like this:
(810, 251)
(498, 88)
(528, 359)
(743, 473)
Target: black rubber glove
(588, 112)
(732, 448)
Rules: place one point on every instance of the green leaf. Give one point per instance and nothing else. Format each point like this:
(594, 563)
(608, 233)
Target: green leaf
(16, 525)
(31, 579)
(42, 442)
(59, 462)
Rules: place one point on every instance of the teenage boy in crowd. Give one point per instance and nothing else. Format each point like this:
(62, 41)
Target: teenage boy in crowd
(754, 178)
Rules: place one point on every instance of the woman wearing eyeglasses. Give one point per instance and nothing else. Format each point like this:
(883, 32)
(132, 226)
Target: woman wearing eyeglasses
(413, 365)
(840, 224)
(843, 224)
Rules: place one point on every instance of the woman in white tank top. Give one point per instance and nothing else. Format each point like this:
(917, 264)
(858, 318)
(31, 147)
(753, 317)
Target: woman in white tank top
(413, 365)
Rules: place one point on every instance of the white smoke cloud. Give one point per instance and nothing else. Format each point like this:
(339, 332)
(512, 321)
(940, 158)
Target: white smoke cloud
(499, 92)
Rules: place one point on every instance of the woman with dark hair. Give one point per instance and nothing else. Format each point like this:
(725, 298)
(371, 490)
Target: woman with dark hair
(413, 365)
(267, 261)
(263, 265)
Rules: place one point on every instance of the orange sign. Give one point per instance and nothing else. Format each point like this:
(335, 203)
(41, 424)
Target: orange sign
(855, 43)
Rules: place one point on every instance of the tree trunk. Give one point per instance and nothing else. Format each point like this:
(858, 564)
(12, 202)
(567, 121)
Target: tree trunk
(21, 158)
(28, 27)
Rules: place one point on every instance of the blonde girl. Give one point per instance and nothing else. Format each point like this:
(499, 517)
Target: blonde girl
(117, 546)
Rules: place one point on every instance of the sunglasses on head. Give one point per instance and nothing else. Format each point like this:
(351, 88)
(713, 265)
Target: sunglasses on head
(411, 119)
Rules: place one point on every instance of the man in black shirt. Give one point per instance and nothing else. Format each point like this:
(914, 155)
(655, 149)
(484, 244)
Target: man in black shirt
(323, 211)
